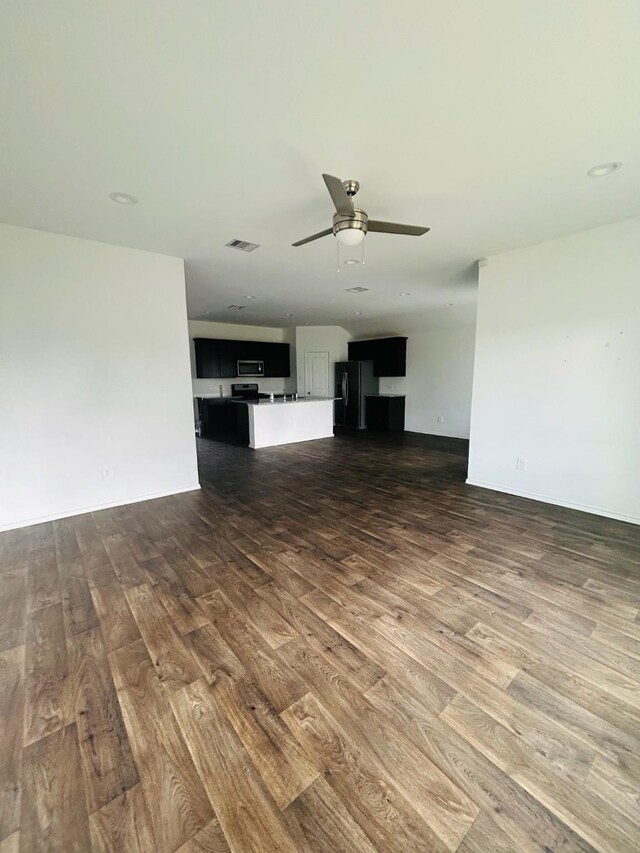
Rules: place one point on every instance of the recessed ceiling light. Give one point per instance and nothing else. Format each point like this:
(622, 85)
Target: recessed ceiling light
(604, 169)
(357, 289)
(351, 261)
(448, 304)
(123, 198)
(249, 297)
(405, 294)
(288, 314)
(357, 313)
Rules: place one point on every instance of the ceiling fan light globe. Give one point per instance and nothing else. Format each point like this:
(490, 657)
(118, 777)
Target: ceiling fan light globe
(350, 236)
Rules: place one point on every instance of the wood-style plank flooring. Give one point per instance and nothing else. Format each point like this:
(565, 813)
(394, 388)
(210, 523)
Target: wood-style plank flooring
(334, 646)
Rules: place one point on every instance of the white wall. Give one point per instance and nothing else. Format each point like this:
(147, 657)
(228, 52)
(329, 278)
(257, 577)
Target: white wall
(94, 373)
(240, 332)
(438, 381)
(439, 370)
(557, 372)
(331, 339)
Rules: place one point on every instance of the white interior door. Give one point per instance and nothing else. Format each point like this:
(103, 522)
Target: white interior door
(316, 374)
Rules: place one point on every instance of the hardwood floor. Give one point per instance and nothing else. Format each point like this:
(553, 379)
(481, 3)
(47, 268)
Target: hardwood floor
(334, 646)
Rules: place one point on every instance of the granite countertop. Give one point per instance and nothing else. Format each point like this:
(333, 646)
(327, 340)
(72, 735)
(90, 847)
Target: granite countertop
(215, 397)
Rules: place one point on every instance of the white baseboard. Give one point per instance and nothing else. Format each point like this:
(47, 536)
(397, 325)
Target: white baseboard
(631, 519)
(437, 434)
(82, 510)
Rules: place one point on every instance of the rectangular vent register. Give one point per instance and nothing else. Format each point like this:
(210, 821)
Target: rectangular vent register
(242, 245)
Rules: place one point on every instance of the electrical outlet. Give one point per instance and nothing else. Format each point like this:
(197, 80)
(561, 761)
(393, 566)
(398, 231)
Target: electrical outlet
(521, 463)
(107, 473)
(440, 419)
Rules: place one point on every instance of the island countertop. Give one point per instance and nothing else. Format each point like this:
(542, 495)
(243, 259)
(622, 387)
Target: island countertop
(289, 402)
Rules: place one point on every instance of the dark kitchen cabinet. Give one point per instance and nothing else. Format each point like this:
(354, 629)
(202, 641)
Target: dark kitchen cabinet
(249, 350)
(385, 412)
(276, 360)
(217, 416)
(207, 358)
(220, 416)
(229, 357)
(219, 358)
(389, 355)
(268, 355)
(361, 351)
(284, 359)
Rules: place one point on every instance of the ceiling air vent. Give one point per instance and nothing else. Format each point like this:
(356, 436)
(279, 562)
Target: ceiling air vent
(243, 245)
(357, 289)
(236, 307)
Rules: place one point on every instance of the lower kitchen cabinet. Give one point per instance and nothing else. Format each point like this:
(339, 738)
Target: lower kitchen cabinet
(385, 412)
(220, 416)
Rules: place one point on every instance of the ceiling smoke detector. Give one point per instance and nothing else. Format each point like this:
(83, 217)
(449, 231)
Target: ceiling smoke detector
(357, 289)
(242, 245)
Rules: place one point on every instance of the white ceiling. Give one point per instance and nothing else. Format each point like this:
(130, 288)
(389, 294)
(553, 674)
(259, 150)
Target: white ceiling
(479, 119)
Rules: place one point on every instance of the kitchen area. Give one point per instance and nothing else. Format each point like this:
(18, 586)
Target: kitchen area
(262, 407)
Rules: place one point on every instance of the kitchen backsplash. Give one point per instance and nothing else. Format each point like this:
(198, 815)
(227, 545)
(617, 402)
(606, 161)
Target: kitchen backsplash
(222, 387)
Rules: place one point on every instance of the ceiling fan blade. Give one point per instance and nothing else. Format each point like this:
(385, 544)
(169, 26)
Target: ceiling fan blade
(342, 201)
(396, 228)
(314, 237)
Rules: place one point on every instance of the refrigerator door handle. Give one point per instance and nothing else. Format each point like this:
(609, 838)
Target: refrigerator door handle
(342, 386)
(346, 383)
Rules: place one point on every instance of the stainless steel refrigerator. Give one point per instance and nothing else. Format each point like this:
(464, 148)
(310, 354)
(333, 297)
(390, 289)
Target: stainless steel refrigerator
(354, 380)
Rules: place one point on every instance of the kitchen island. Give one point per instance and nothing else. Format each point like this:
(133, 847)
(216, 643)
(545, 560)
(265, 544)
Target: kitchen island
(280, 422)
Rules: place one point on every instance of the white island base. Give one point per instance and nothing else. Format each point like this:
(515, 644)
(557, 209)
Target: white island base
(271, 424)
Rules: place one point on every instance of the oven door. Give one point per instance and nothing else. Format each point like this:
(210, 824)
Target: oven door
(251, 368)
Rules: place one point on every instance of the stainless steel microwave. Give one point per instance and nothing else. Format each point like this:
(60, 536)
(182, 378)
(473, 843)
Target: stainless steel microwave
(251, 368)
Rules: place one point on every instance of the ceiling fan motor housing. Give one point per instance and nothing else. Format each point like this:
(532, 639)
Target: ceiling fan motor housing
(358, 220)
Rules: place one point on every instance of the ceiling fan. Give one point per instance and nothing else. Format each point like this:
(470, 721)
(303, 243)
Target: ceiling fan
(350, 223)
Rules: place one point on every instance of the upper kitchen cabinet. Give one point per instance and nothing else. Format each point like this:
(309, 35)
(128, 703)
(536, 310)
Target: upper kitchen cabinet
(361, 351)
(229, 357)
(219, 358)
(389, 355)
(207, 358)
(276, 360)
